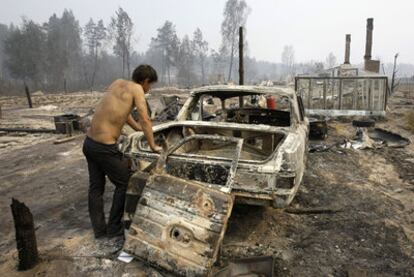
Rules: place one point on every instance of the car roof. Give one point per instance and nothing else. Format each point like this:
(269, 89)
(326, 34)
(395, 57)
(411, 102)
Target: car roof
(226, 91)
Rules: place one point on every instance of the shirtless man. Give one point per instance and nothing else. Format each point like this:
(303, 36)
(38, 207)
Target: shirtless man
(101, 150)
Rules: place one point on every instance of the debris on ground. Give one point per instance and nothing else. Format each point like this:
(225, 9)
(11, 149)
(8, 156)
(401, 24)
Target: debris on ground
(252, 266)
(361, 141)
(374, 139)
(388, 138)
(368, 122)
(317, 147)
(48, 108)
(67, 123)
(318, 128)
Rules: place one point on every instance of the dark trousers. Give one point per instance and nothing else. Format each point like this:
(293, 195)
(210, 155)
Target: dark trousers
(105, 160)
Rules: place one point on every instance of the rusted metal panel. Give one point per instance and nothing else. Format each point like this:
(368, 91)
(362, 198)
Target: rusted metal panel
(179, 225)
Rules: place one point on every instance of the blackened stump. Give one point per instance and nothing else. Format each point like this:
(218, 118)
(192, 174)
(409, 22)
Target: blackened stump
(25, 235)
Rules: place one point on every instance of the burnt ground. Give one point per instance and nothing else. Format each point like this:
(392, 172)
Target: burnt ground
(371, 232)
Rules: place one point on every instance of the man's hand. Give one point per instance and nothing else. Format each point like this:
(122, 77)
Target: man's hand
(156, 148)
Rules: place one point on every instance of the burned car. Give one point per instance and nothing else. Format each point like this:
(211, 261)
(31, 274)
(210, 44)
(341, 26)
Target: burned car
(272, 124)
(228, 144)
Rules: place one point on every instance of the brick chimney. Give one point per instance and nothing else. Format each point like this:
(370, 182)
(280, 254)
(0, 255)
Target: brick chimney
(368, 43)
(347, 48)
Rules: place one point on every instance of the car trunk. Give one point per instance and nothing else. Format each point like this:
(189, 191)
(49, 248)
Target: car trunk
(257, 146)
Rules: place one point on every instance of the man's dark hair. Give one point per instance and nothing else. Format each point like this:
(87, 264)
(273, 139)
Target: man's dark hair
(143, 72)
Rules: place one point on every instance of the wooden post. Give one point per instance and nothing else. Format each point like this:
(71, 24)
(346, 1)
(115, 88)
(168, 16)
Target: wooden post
(25, 235)
(69, 128)
(29, 98)
(394, 71)
(241, 66)
(356, 96)
(369, 95)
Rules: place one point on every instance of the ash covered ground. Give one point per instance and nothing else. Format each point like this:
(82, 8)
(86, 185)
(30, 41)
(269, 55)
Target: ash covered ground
(371, 232)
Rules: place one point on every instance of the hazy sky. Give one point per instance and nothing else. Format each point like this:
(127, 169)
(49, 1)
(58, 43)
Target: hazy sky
(313, 27)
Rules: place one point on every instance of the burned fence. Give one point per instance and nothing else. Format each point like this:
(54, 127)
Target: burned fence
(343, 95)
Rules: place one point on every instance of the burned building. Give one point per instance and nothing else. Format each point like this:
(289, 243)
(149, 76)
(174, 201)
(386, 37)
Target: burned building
(346, 89)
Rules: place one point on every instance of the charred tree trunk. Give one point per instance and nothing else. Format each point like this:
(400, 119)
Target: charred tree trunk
(29, 98)
(25, 235)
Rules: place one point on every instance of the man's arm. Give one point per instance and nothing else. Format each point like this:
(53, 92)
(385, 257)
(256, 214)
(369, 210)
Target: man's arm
(134, 125)
(144, 120)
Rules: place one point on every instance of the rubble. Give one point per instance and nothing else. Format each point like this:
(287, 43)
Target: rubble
(252, 266)
(375, 138)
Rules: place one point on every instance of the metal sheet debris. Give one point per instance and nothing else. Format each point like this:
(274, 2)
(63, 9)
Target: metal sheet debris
(125, 257)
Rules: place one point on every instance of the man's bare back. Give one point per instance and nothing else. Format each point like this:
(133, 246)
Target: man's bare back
(114, 110)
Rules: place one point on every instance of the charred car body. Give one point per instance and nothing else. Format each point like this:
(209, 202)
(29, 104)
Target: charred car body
(273, 156)
(244, 144)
